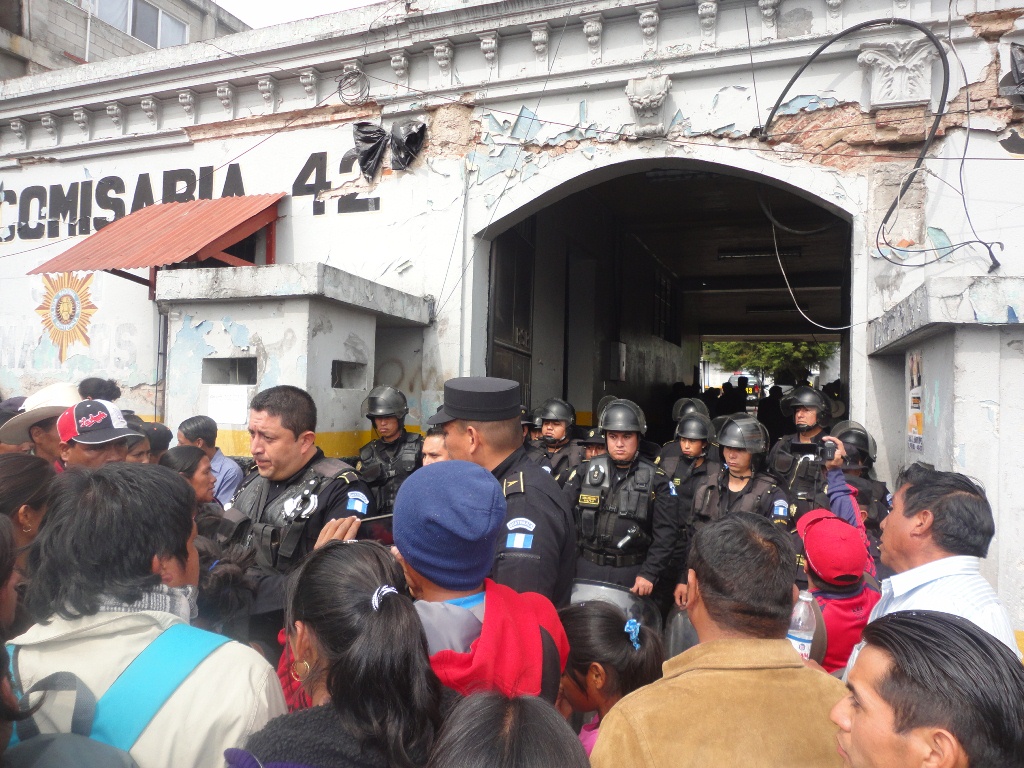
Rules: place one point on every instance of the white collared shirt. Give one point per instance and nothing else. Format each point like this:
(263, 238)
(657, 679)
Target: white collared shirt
(951, 585)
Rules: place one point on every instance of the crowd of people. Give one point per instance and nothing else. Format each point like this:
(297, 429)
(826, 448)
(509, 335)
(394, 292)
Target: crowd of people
(491, 592)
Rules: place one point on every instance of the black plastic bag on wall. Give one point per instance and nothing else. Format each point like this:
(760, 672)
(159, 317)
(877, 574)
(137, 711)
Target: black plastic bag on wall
(371, 142)
(407, 137)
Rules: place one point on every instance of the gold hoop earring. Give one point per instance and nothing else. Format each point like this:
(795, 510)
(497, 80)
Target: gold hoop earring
(295, 675)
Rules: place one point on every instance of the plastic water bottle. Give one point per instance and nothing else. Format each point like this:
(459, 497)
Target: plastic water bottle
(802, 625)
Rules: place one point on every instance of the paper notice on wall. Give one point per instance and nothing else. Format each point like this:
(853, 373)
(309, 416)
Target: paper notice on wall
(915, 403)
(228, 403)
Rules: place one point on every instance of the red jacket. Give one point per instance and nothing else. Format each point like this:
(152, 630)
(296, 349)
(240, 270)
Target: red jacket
(521, 650)
(845, 618)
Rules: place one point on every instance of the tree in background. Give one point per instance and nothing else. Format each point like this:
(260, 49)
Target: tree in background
(788, 361)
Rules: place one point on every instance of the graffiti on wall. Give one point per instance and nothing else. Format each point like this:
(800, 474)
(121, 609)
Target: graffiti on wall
(67, 310)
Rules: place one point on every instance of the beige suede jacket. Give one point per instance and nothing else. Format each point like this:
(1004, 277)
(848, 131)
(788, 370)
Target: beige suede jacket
(749, 703)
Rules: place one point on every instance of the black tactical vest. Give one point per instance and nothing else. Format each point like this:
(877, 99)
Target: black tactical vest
(711, 500)
(385, 473)
(277, 527)
(615, 518)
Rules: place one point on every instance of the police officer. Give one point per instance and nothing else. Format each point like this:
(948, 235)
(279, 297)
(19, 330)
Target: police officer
(680, 408)
(626, 510)
(693, 473)
(481, 422)
(742, 485)
(796, 459)
(565, 454)
(593, 444)
(293, 492)
(396, 453)
(535, 447)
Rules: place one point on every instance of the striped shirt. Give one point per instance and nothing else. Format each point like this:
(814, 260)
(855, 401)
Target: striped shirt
(951, 585)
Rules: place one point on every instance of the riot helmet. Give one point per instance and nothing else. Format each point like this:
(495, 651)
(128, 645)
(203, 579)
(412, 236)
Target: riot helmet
(556, 409)
(853, 435)
(807, 397)
(623, 416)
(685, 405)
(602, 404)
(385, 401)
(695, 426)
(745, 432)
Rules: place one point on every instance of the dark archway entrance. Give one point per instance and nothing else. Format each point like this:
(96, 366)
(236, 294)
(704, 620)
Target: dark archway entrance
(611, 289)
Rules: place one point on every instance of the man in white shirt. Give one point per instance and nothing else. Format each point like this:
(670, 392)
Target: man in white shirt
(934, 538)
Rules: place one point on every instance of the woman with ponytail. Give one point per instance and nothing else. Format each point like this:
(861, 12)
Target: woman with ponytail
(361, 655)
(609, 657)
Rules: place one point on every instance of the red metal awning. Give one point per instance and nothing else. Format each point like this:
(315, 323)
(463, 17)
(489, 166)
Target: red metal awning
(169, 233)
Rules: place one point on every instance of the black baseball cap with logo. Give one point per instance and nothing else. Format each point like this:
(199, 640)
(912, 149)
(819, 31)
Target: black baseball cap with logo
(93, 422)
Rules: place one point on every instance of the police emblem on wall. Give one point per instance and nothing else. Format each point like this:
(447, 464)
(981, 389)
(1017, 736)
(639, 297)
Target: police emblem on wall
(67, 310)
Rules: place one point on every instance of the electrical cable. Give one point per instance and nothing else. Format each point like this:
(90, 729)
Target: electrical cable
(763, 135)
(792, 295)
(353, 88)
(767, 211)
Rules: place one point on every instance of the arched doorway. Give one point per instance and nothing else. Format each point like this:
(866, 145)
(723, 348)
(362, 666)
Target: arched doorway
(610, 288)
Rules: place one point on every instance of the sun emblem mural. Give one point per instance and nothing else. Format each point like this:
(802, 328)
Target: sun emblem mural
(67, 310)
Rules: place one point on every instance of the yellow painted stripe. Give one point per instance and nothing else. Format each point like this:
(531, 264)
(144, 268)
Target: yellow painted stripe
(235, 442)
(585, 418)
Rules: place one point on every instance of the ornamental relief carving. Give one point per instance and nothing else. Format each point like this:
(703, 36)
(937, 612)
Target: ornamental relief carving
(900, 72)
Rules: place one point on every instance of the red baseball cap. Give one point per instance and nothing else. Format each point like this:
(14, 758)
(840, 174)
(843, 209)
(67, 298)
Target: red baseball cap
(835, 549)
(93, 422)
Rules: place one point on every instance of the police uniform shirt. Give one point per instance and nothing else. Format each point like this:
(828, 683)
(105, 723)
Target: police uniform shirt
(336, 499)
(536, 548)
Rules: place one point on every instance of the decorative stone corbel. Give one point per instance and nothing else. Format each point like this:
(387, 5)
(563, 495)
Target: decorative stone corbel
(444, 55)
(707, 12)
(593, 26)
(539, 36)
(267, 86)
(834, 17)
(489, 47)
(187, 99)
(81, 117)
(649, 20)
(900, 72)
(647, 98)
(400, 66)
(51, 124)
(20, 131)
(151, 109)
(769, 18)
(116, 114)
(226, 94)
(309, 79)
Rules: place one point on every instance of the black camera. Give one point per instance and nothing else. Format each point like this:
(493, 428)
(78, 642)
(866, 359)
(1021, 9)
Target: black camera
(826, 451)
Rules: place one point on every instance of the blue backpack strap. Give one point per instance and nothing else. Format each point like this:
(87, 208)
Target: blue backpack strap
(131, 703)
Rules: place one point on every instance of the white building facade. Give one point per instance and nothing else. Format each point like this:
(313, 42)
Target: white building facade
(592, 199)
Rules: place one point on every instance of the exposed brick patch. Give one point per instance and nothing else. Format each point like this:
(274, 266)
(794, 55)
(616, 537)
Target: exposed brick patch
(991, 25)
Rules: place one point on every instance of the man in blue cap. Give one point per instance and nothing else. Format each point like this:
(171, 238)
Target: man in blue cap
(537, 551)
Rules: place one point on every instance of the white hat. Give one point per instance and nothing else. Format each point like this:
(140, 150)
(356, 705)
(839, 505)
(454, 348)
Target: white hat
(47, 403)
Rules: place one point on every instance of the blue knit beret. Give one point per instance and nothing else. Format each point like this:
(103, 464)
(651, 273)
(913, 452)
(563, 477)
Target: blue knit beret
(447, 518)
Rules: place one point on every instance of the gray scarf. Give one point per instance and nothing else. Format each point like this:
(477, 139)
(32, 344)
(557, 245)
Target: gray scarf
(181, 601)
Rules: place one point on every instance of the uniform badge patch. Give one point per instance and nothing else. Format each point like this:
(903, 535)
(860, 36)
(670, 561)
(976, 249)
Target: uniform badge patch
(519, 541)
(590, 501)
(521, 522)
(672, 490)
(547, 469)
(780, 509)
(357, 502)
